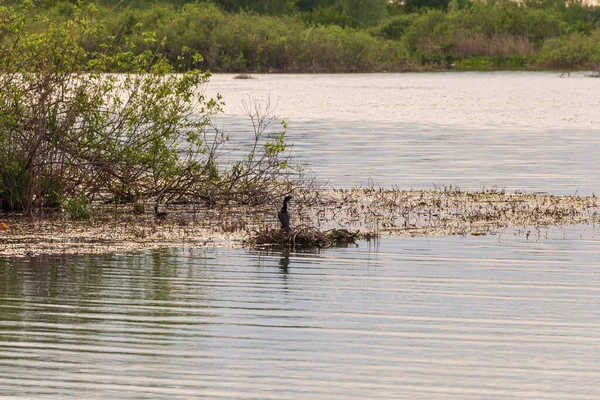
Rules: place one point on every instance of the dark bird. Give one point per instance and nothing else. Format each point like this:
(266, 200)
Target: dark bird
(284, 215)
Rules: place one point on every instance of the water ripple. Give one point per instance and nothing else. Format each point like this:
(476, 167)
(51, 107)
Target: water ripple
(414, 318)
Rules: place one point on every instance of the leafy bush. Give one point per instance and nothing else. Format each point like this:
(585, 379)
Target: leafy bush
(71, 131)
(336, 49)
(395, 27)
(430, 34)
(502, 32)
(328, 15)
(573, 51)
(77, 207)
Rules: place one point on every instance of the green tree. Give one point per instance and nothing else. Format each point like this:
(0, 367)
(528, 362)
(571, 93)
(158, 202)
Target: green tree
(415, 5)
(277, 7)
(363, 12)
(311, 5)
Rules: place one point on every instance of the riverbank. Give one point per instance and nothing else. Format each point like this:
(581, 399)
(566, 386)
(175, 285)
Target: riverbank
(378, 212)
(328, 39)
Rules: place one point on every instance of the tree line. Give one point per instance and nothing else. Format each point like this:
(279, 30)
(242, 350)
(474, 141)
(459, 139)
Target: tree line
(356, 35)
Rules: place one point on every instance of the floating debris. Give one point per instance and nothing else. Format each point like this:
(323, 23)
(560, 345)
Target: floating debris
(302, 238)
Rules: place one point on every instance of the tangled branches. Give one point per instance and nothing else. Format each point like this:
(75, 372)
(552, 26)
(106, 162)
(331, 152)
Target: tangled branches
(303, 237)
(72, 133)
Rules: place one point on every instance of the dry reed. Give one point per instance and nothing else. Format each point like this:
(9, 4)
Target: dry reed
(319, 219)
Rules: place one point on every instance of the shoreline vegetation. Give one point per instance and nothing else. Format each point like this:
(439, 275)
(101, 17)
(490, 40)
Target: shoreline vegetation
(367, 213)
(93, 161)
(330, 36)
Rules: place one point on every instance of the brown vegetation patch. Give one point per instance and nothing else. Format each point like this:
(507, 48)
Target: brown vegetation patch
(320, 219)
(467, 44)
(450, 211)
(305, 237)
(111, 233)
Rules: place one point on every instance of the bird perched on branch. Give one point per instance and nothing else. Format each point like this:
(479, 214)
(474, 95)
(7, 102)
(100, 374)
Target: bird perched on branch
(284, 215)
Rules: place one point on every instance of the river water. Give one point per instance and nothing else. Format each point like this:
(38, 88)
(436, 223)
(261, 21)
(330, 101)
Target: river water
(509, 316)
(519, 131)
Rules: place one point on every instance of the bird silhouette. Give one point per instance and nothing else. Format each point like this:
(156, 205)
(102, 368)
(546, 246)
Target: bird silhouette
(284, 215)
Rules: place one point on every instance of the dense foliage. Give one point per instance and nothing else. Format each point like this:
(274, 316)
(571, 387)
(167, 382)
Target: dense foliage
(356, 35)
(71, 133)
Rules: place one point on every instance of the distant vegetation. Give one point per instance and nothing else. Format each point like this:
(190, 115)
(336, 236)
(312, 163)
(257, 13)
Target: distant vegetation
(352, 35)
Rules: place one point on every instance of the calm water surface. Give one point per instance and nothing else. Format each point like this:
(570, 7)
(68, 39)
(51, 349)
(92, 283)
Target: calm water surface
(407, 318)
(520, 131)
(497, 317)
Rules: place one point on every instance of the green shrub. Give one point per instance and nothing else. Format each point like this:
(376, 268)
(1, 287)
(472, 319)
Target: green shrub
(270, 36)
(336, 49)
(492, 63)
(77, 207)
(395, 27)
(13, 184)
(431, 33)
(263, 43)
(573, 51)
(195, 27)
(67, 127)
(328, 15)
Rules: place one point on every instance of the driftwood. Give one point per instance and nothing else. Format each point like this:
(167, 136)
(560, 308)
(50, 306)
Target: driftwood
(304, 237)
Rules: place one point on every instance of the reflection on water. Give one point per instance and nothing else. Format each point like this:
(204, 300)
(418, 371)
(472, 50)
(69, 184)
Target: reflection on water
(414, 318)
(520, 131)
(284, 261)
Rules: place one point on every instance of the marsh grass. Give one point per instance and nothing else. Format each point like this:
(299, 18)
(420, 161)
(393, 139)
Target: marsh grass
(77, 207)
(491, 63)
(320, 219)
(452, 211)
